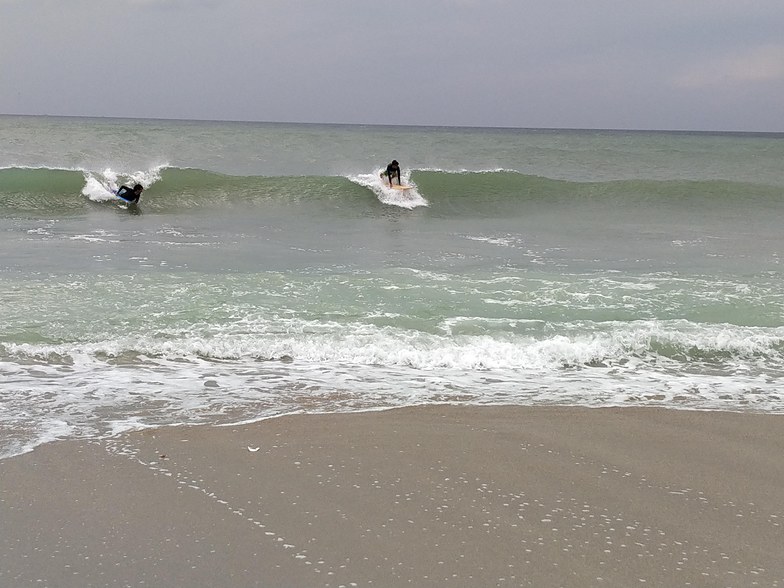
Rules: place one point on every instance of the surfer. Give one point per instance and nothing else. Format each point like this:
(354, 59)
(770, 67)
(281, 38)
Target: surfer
(393, 169)
(130, 195)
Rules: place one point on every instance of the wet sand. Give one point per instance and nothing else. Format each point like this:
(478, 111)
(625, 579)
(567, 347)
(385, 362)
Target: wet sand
(441, 496)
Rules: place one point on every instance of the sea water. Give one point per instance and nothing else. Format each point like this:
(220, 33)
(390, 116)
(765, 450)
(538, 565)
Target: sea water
(268, 270)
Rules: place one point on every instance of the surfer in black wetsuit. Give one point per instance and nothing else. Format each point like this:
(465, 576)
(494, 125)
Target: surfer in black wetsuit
(131, 195)
(393, 169)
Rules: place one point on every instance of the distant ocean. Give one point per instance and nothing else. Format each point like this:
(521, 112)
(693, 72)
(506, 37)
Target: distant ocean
(267, 271)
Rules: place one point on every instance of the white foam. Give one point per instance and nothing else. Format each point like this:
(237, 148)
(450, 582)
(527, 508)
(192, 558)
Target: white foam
(524, 345)
(103, 186)
(263, 367)
(403, 198)
(463, 171)
(46, 431)
(96, 189)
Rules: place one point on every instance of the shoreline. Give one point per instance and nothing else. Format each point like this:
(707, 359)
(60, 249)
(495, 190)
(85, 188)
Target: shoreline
(467, 496)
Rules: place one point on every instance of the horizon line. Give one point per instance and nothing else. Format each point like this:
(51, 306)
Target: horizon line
(423, 126)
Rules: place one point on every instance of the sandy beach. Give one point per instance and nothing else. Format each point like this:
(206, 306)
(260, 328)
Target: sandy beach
(452, 496)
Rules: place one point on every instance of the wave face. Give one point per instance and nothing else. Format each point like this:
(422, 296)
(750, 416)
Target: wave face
(484, 193)
(269, 269)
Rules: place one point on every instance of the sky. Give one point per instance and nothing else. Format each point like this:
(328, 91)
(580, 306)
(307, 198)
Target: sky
(715, 65)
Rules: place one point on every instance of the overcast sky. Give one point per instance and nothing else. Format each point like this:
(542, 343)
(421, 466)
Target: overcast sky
(621, 64)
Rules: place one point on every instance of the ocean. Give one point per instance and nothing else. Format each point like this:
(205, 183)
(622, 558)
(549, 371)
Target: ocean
(267, 270)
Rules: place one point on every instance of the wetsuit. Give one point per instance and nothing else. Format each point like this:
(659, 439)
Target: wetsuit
(128, 194)
(393, 169)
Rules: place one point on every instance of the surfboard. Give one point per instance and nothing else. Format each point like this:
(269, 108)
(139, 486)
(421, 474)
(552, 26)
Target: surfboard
(123, 200)
(395, 187)
(127, 204)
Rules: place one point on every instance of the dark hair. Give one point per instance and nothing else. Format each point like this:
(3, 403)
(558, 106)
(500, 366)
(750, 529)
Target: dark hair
(395, 162)
(138, 187)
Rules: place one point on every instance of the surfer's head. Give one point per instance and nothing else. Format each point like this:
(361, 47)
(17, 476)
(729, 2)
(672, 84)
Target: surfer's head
(138, 188)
